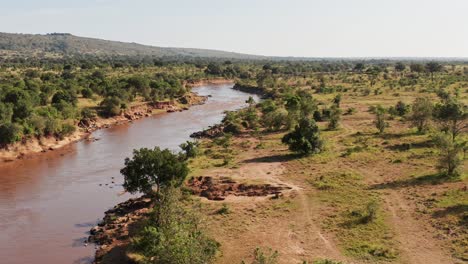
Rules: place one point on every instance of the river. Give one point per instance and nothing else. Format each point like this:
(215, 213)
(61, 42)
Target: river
(49, 202)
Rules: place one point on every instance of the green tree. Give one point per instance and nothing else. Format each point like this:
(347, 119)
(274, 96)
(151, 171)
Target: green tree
(416, 67)
(452, 116)
(449, 153)
(190, 149)
(305, 139)
(6, 113)
(380, 117)
(433, 67)
(111, 106)
(401, 108)
(174, 234)
(359, 67)
(275, 120)
(421, 113)
(153, 167)
(335, 117)
(9, 133)
(337, 100)
(65, 96)
(400, 67)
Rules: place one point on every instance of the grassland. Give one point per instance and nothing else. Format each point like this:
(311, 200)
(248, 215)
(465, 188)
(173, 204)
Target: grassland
(368, 198)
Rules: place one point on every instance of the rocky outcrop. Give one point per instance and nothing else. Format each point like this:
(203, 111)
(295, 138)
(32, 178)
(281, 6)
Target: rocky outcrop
(249, 89)
(211, 132)
(219, 189)
(117, 226)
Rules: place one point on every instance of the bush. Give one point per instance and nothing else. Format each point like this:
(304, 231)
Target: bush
(9, 133)
(66, 130)
(260, 257)
(88, 113)
(87, 93)
(275, 120)
(305, 138)
(174, 235)
(111, 106)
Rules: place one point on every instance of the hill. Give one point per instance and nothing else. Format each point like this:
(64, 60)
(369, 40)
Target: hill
(67, 44)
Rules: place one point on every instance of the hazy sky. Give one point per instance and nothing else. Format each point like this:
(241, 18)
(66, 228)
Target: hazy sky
(312, 28)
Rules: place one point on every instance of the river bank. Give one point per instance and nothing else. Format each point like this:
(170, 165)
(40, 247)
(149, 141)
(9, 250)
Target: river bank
(84, 128)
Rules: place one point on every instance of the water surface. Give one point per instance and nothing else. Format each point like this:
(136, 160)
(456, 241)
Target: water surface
(49, 202)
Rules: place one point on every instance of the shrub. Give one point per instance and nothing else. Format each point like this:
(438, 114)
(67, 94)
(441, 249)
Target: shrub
(66, 130)
(9, 133)
(174, 235)
(305, 138)
(260, 257)
(111, 106)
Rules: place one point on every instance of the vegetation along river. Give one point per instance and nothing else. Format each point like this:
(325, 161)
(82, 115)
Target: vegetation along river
(49, 202)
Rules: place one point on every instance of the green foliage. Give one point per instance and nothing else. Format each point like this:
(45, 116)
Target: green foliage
(450, 153)
(261, 257)
(452, 116)
(111, 106)
(174, 235)
(380, 119)
(335, 117)
(6, 113)
(190, 149)
(87, 93)
(153, 167)
(401, 108)
(421, 113)
(275, 120)
(9, 133)
(305, 139)
(224, 210)
(88, 113)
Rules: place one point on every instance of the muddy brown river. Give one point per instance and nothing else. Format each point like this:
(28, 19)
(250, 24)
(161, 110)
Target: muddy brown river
(49, 202)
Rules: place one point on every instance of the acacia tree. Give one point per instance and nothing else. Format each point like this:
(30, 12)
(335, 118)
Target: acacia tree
(335, 117)
(452, 116)
(433, 67)
(305, 139)
(421, 113)
(380, 117)
(449, 153)
(153, 167)
(400, 67)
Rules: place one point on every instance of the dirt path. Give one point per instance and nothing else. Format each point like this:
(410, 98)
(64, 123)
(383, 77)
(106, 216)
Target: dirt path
(417, 243)
(415, 236)
(295, 234)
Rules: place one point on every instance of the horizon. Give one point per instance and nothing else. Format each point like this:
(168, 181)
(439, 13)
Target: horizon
(361, 29)
(406, 58)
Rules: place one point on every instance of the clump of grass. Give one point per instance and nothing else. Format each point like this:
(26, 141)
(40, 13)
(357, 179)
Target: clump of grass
(262, 257)
(362, 230)
(224, 210)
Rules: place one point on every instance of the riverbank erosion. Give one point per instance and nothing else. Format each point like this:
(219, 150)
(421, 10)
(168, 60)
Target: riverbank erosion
(113, 233)
(84, 127)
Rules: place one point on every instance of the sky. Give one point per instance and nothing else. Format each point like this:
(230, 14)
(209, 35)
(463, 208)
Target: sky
(301, 28)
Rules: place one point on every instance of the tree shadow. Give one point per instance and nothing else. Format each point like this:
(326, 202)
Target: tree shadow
(84, 260)
(275, 158)
(397, 135)
(430, 179)
(414, 145)
(458, 210)
(79, 242)
(87, 224)
(117, 255)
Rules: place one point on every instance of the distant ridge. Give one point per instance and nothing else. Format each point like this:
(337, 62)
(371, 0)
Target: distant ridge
(68, 44)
